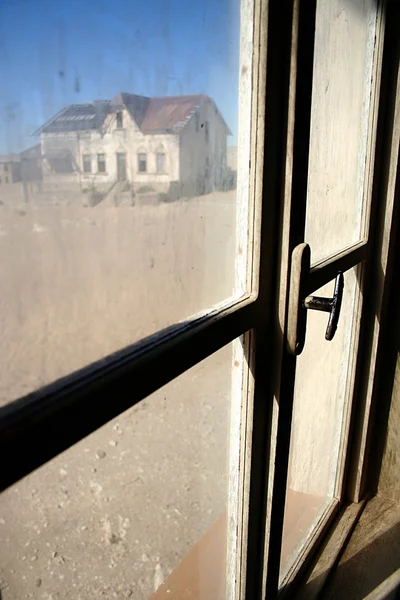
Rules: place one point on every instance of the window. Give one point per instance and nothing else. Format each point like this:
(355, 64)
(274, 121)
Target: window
(142, 162)
(6, 179)
(101, 163)
(193, 319)
(206, 131)
(160, 159)
(119, 118)
(87, 163)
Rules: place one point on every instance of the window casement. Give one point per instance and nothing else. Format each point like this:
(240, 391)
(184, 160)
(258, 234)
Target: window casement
(142, 162)
(292, 395)
(87, 163)
(119, 119)
(101, 162)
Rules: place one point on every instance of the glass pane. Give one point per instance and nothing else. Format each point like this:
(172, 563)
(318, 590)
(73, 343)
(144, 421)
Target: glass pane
(116, 514)
(319, 422)
(118, 216)
(341, 103)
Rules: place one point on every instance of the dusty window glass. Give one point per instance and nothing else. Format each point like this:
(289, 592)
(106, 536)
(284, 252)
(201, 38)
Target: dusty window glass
(119, 513)
(142, 162)
(87, 163)
(101, 163)
(98, 259)
(340, 119)
(342, 109)
(160, 162)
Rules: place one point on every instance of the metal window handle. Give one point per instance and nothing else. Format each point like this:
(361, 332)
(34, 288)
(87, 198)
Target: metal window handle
(330, 305)
(299, 302)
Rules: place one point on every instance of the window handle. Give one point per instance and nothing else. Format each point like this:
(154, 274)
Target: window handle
(299, 302)
(330, 305)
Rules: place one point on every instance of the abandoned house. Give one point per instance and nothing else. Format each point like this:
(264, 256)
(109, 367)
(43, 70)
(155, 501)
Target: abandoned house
(10, 171)
(175, 144)
(31, 164)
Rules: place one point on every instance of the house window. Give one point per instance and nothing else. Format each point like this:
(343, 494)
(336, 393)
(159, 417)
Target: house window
(206, 131)
(101, 163)
(160, 160)
(142, 162)
(87, 163)
(120, 122)
(185, 285)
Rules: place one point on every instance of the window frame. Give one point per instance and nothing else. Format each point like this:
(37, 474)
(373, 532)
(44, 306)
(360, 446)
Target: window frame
(38, 427)
(103, 171)
(141, 161)
(86, 156)
(119, 119)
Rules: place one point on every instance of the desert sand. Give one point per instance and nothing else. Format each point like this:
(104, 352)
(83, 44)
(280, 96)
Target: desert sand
(112, 516)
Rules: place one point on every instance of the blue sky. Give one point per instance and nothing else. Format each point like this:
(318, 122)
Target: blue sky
(58, 52)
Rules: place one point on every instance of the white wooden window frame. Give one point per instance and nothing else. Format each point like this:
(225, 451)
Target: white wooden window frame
(36, 428)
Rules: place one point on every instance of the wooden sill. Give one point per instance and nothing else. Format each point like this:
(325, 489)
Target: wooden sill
(202, 573)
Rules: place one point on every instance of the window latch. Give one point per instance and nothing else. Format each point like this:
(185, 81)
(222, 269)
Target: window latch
(299, 302)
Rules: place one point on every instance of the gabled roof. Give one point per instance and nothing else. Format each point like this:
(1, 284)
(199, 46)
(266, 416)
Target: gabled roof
(168, 114)
(77, 117)
(135, 105)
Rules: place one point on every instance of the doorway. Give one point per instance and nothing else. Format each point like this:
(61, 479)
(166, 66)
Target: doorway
(121, 166)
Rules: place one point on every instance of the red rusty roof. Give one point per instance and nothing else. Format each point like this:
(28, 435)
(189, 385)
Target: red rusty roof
(169, 112)
(153, 115)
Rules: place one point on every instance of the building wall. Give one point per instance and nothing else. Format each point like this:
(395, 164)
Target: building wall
(111, 140)
(195, 176)
(31, 164)
(232, 157)
(186, 155)
(52, 143)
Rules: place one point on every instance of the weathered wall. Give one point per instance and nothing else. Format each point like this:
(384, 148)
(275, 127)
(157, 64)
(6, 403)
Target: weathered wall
(195, 149)
(110, 141)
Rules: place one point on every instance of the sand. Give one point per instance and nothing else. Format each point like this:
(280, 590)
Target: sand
(112, 516)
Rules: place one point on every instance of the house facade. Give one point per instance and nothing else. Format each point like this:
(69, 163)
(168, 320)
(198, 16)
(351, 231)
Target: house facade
(162, 144)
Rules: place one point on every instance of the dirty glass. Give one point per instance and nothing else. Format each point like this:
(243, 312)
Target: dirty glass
(140, 505)
(119, 127)
(340, 118)
(320, 421)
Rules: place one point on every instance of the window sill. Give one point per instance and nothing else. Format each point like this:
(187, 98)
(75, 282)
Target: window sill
(202, 572)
